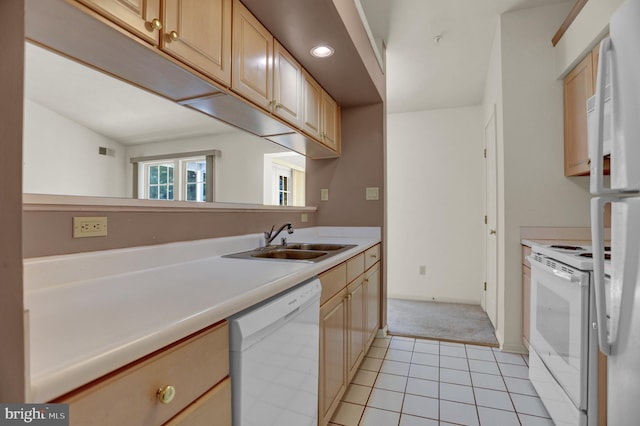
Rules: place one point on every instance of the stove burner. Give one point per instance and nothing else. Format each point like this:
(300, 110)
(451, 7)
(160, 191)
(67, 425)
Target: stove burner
(566, 247)
(607, 256)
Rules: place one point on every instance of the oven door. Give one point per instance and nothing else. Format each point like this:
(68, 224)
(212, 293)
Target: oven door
(560, 324)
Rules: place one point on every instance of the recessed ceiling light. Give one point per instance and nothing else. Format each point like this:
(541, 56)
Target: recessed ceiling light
(322, 51)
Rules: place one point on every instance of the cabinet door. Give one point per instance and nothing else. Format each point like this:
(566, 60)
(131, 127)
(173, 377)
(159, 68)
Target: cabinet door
(311, 111)
(330, 128)
(578, 87)
(198, 32)
(356, 305)
(252, 53)
(137, 16)
(372, 293)
(213, 408)
(287, 86)
(333, 355)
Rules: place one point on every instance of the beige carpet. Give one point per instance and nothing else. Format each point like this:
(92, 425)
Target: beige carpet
(455, 322)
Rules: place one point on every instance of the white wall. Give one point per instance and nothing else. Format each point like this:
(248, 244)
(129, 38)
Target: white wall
(591, 24)
(61, 157)
(532, 189)
(239, 170)
(434, 204)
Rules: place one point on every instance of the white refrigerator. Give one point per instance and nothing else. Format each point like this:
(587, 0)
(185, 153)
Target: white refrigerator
(617, 283)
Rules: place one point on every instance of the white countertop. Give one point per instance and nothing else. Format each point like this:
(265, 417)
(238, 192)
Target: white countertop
(91, 313)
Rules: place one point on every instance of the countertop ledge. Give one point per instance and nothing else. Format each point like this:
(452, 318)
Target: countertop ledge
(89, 314)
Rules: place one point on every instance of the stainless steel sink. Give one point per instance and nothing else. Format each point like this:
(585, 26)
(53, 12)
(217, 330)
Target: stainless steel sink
(315, 246)
(294, 252)
(288, 254)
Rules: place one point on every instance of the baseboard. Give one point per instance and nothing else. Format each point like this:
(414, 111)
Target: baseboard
(382, 332)
(514, 348)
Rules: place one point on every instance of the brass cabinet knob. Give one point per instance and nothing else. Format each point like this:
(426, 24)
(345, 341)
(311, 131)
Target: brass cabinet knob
(166, 394)
(349, 296)
(155, 24)
(173, 35)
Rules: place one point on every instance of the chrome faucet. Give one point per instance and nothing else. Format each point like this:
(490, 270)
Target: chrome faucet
(270, 235)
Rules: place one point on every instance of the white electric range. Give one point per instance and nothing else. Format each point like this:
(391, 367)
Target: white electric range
(564, 343)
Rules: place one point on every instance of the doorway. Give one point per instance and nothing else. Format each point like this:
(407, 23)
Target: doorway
(489, 299)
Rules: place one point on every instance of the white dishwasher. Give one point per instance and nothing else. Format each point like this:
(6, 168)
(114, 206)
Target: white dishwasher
(274, 359)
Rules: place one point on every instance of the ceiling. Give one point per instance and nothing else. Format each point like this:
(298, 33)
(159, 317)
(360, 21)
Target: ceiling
(423, 74)
(107, 105)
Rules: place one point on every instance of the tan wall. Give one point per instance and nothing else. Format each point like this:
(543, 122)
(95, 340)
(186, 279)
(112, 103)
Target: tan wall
(48, 233)
(361, 165)
(11, 301)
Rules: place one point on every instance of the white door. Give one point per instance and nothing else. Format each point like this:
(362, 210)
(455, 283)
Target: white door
(491, 216)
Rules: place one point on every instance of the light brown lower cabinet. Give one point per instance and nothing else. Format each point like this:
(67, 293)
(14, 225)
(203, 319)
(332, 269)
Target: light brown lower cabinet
(356, 319)
(213, 408)
(332, 379)
(349, 320)
(197, 368)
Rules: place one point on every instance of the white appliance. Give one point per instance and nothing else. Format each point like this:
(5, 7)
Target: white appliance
(274, 359)
(619, 337)
(563, 343)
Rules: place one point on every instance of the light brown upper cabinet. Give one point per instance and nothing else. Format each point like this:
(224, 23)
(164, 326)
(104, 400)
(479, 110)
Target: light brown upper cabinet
(312, 101)
(252, 58)
(330, 130)
(141, 17)
(199, 33)
(321, 114)
(287, 86)
(578, 87)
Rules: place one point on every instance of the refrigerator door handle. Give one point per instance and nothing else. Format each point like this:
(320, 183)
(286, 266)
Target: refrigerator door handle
(597, 236)
(596, 148)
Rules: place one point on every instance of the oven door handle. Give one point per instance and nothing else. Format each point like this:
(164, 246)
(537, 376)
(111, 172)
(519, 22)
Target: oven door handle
(565, 276)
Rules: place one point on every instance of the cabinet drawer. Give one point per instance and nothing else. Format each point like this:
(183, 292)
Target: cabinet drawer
(526, 251)
(371, 256)
(213, 408)
(334, 280)
(129, 395)
(355, 267)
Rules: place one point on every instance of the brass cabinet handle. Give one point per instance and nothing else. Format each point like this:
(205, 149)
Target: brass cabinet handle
(155, 24)
(492, 232)
(373, 256)
(166, 394)
(173, 35)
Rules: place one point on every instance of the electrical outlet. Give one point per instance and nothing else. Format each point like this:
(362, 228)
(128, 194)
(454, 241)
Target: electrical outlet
(324, 194)
(423, 269)
(304, 217)
(89, 226)
(372, 193)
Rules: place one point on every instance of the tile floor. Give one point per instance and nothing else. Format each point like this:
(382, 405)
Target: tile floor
(415, 382)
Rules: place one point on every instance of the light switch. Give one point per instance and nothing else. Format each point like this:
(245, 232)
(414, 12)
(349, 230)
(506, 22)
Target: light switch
(324, 194)
(372, 194)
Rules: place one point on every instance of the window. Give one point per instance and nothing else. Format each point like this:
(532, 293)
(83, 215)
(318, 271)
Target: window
(159, 181)
(182, 177)
(283, 185)
(195, 180)
(284, 178)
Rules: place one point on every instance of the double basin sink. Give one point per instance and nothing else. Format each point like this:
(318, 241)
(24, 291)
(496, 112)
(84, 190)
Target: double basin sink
(300, 252)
